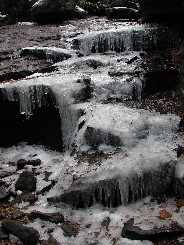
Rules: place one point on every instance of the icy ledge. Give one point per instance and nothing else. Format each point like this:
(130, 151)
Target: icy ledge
(146, 162)
(135, 38)
(64, 90)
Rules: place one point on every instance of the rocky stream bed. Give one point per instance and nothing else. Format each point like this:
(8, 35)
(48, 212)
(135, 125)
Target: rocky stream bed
(91, 119)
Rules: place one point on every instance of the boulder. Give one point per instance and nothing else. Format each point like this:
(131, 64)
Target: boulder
(26, 182)
(49, 11)
(122, 13)
(27, 235)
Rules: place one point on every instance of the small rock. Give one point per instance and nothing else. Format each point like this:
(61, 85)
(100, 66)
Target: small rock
(51, 217)
(27, 235)
(136, 233)
(105, 223)
(26, 182)
(22, 163)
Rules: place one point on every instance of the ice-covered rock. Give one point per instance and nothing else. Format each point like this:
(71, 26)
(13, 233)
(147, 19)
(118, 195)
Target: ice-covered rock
(121, 126)
(135, 37)
(51, 54)
(64, 90)
(146, 160)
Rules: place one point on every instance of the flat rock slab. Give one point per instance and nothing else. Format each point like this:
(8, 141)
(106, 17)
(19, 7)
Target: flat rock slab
(136, 233)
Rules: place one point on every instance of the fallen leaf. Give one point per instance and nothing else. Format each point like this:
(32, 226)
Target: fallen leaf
(180, 203)
(164, 214)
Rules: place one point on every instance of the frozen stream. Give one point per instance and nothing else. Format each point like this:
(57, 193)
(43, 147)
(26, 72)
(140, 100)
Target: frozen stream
(115, 158)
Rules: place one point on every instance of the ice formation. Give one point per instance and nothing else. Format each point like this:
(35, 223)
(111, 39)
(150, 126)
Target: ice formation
(51, 54)
(137, 38)
(33, 93)
(146, 159)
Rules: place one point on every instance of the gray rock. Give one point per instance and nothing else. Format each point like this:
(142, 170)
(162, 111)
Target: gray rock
(51, 217)
(136, 233)
(49, 11)
(26, 182)
(27, 235)
(22, 163)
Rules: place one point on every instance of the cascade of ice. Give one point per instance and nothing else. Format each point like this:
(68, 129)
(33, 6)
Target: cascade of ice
(134, 38)
(34, 93)
(28, 96)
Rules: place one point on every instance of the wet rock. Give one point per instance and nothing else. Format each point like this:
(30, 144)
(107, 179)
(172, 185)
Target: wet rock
(50, 241)
(22, 163)
(50, 11)
(27, 197)
(51, 217)
(4, 194)
(3, 233)
(136, 233)
(26, 182)
(122, 13)
(70, 229)
(27, 235)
